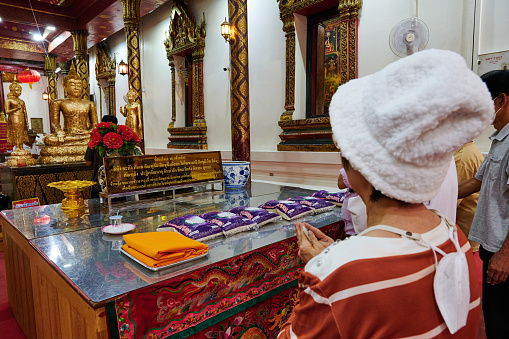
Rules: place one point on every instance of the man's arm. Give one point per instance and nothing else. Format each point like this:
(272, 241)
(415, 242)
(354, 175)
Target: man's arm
(498, 268)
(467, 187)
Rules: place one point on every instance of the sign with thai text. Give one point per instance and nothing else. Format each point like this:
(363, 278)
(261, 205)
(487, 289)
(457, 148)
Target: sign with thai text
(25, 203)
(137, 173)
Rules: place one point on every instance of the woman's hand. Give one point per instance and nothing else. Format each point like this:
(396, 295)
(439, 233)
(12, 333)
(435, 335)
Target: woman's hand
(317, 242)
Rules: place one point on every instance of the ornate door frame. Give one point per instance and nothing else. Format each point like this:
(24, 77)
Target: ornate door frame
(314, 134)
(186, 37)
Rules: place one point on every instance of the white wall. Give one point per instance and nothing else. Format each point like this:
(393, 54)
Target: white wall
(450, 23)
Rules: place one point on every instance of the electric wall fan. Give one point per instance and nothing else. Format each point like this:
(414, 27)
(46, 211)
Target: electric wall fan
(409, 36)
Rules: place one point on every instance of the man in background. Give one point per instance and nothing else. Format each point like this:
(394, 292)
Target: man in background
(30, 145)
(468, 159)
(490, 226)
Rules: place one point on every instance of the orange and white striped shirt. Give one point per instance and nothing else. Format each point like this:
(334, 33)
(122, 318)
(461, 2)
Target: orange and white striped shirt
(371, 287)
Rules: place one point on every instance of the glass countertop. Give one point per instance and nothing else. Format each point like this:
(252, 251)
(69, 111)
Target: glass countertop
(92, 261)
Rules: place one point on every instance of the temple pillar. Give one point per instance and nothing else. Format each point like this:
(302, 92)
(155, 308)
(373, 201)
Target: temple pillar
(289, 29)
(131, 16)
(198, 109)
(111, 96)
(239, 86)
(49, 69)
(79, 39)
(171, 63)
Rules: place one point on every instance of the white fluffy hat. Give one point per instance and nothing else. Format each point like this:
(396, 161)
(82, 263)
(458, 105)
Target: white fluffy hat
(400, 126)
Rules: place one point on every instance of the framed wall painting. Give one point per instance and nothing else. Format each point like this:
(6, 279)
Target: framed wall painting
(36, 124)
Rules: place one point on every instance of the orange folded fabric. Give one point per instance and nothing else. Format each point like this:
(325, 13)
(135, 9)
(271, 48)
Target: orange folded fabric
(157, 249)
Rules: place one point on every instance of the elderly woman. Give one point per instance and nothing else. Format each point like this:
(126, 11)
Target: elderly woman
(406, 275)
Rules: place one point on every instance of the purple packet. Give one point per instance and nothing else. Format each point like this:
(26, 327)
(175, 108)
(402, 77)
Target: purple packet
(289, 210)
(318, 205)
(270, 205)
(230, 223)
(194, 227)
(320, 194)
(258, 215)
(335, 198)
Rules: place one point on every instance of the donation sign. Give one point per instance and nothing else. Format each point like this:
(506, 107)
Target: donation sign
(137, 173)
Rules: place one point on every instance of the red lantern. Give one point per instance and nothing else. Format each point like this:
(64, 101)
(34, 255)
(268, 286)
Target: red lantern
(29, 76)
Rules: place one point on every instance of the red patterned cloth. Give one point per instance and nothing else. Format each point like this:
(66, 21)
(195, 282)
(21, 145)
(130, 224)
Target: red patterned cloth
(249, 294)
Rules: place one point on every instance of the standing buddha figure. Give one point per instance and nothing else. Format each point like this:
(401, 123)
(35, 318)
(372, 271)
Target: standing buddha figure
(69, 144)
(132, 112)
(17, 126)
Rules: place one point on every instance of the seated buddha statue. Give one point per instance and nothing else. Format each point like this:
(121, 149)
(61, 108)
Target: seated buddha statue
(69, 144)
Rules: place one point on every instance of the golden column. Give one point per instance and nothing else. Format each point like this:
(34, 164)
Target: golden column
(239, 86)
(49, 68)
(131, 16)
(171, 63)
(198, 109)
(289, 29)
(111, 96)
(79, 39)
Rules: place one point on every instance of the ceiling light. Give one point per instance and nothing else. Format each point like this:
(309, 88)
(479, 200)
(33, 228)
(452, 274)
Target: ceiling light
(50, 28)
(0, 19)
(38, 37)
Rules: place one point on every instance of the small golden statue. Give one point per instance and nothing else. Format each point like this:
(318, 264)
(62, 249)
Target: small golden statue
(17, 127)
(80, 116)
(132, 112)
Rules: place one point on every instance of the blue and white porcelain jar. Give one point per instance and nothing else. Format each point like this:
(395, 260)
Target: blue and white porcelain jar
(235, 173)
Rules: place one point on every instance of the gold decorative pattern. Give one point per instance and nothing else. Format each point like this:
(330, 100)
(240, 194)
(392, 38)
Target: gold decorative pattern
(183, 33)
(194, 137)
(9, 76)
(131, 12)
(131, 16)
(289, 29)
(186, 36)
(239, 87)
(31, 182)
(343, 48)
(79, 39)
(20, 45)
(105, 68)
(171, 63)
(305, 136)
(49, 68)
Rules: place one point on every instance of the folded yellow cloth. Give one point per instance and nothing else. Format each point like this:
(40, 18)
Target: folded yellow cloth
(157, 249)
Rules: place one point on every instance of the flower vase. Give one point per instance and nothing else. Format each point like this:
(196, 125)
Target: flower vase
(101, 173)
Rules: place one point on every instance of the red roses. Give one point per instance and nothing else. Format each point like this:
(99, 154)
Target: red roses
(128, 134)
(107, 136)
(113, 140)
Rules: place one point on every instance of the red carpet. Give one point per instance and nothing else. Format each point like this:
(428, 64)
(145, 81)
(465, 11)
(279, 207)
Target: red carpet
(8, 324)
(10, 328)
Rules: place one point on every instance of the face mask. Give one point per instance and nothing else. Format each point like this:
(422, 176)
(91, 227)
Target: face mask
(451, 284)
(495, 114)
(357, 210)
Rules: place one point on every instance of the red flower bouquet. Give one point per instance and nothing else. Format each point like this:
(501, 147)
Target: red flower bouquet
(109, 138)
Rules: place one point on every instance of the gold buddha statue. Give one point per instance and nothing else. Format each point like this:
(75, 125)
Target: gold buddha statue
(132, 112)
(80, 116)
(17, 127)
